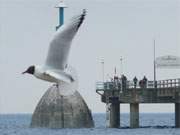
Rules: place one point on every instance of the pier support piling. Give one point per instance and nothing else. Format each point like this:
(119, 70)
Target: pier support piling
(114, 115)
(134, 115)
(177, 115)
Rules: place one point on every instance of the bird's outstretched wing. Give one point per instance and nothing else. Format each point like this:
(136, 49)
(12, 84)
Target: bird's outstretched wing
(61, 43)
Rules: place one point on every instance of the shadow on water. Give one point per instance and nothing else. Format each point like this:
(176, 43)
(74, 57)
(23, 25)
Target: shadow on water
(154, 127)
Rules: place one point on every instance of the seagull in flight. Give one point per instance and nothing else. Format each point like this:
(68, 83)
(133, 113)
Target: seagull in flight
(56, 69)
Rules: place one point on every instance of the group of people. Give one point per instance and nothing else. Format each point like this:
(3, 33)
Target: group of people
(121, 83)
(142, 83)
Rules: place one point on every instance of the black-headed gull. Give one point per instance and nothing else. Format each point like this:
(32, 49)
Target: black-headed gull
(56, 68)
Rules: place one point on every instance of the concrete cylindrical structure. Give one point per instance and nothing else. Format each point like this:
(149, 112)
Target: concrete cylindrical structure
(134, 115)
(177, 115)
(58, 111)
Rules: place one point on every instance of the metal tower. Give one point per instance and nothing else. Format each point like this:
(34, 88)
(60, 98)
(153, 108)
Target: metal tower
(61, 7)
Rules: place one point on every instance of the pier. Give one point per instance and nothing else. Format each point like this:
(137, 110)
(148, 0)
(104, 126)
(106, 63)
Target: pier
(115, 92)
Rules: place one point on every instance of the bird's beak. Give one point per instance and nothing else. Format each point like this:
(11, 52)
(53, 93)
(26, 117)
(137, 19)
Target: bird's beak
(24, 72)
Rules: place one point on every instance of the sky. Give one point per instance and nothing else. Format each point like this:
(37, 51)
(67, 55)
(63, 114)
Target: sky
(112, 29)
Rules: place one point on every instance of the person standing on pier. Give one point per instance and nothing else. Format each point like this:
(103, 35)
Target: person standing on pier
(145, 82)
(116, 81)
(135, 81)
(124, 81)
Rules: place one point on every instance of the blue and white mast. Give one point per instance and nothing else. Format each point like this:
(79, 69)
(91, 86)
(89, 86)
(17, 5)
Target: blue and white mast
(61, 7)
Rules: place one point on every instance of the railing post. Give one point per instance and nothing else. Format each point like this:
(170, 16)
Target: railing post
(171, 83)
(175, 81)
(163, 83)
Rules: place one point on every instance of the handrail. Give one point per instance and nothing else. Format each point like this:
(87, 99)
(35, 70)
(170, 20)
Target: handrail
(168, 83)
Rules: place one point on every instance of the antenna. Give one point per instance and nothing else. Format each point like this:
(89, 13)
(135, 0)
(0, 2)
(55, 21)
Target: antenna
(115, 71)
(121, 65)
(154, 63)
(102, 62)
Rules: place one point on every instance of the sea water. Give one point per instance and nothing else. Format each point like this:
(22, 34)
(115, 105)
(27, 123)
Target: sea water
(150, 124)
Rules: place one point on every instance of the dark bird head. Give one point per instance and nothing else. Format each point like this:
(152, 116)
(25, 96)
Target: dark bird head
(30, 70)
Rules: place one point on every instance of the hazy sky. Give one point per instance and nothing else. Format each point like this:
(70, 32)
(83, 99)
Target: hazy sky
(112, 28)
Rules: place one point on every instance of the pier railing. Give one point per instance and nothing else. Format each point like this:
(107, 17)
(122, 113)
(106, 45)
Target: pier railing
(169, 83)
